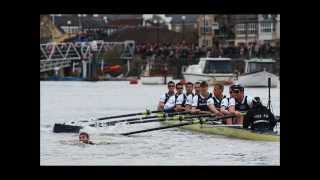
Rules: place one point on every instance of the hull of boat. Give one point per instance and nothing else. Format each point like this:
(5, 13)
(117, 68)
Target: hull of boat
(228, 131)
(155, 80)
(259, 79)
(225, 79)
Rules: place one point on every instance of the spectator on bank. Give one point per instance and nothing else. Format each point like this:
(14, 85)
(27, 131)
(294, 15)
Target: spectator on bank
(256, 50)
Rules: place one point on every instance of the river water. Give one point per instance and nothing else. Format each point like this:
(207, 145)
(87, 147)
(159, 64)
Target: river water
(63, 101)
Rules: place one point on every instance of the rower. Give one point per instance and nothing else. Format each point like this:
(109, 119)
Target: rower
(84, 138)
(243, 103)
(259, 118)
(197, 88)
(190, 95)
(203, 102)
(167, 101)
(228, 107)
(180, 98)
(218, 95)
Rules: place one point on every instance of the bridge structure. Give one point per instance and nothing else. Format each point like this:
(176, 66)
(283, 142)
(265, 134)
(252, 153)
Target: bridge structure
(58, 56)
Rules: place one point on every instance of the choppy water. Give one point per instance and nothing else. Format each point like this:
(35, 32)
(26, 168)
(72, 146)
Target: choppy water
(65, 101)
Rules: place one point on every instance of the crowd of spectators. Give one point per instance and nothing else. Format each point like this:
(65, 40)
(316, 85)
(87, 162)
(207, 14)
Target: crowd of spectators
(193, 51)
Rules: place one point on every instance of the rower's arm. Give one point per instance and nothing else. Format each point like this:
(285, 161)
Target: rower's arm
(194, 109)
(178, 104)
(224, 111)
(161, 103)
(213, 109)
(188, 107)
(160, 106)
(179, 107)
(224, 106)
(194, 105)
(232, 109)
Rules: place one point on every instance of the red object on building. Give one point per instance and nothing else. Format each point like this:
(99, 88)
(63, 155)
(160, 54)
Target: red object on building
(133, 81)
(112, 69)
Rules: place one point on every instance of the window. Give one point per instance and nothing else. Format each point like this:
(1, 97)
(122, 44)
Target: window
(266, 27)
(256, 67)
(218, 67)
(265, 16)
(204, 42)
(252, 27)
(206, 29)
(240, 28)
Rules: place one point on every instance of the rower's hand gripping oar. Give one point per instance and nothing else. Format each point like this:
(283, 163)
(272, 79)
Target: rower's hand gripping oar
(175, 125)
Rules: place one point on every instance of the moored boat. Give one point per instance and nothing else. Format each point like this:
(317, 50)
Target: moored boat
(257, 72)
(212, 70)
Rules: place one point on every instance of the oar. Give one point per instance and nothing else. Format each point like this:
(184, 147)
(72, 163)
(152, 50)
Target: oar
(226, 125)
(148, 112)
(160, 117)
(179, 117)
(176, 125)
(64, 128)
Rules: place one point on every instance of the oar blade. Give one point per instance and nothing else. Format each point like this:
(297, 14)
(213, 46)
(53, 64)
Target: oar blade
(65, 128)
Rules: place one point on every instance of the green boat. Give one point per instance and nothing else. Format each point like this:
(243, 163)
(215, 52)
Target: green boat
(233, 132)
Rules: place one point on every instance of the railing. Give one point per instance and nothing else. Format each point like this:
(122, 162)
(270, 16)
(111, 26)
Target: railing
(61, 55)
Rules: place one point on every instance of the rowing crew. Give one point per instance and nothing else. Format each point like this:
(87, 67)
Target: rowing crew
(216, 103)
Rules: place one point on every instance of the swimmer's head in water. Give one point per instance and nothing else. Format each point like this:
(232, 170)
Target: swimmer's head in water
(84, 137)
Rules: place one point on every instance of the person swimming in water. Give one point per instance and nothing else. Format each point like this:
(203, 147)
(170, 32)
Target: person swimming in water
(84, 138)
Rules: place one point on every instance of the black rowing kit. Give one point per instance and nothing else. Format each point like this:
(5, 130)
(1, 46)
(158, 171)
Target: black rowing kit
(167, 97)
(202, 102)
(217, 102)
(259, 118)
(242, 106)
(185, 96)
(184, 99)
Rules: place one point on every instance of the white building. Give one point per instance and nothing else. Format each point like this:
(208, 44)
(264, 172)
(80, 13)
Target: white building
(278, 27)
(163, 18)
(206, 26)
(262, 28)
(245, 28)
(269, 28)
(265, 26)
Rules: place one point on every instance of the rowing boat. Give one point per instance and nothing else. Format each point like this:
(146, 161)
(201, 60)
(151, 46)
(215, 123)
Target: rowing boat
(232, 132)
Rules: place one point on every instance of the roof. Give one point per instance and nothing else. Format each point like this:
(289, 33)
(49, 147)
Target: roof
(75, 21)
(129, 22)
(177, 18)
(148, 35)
(89, 20)
(122, 16)
(242, 18)
(215, 59)
(257, 60)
